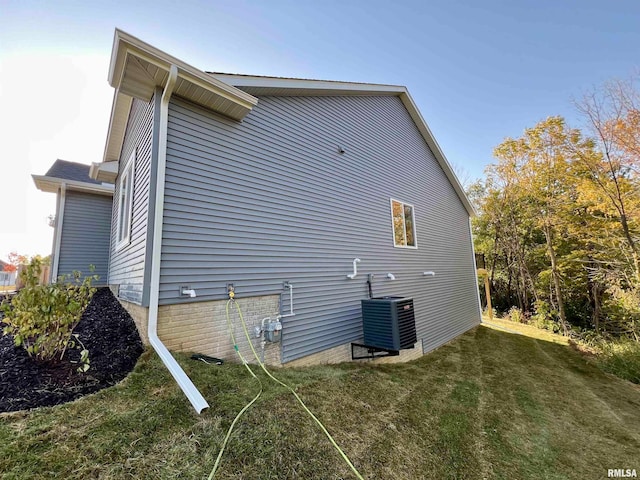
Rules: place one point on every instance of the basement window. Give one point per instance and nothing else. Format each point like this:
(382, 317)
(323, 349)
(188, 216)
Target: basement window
(125, 203)
(404, 225)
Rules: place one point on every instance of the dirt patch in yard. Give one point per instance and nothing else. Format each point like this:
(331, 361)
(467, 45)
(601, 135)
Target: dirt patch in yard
(106, 330)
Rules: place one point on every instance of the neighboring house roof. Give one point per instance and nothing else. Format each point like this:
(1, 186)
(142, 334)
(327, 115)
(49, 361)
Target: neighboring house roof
(72, 175)
(71, 171)
(2, 265)
(138, 68)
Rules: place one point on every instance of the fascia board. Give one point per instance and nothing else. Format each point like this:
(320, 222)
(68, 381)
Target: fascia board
(437, 151)
(117, 126)
(52, 184)
(294, 83)
(125, 44)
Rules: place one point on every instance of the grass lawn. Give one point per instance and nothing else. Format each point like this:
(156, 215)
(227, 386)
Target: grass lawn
(491, 404)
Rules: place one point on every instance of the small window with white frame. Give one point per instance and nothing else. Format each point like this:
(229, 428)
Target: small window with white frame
(404, 225)
(125, 202)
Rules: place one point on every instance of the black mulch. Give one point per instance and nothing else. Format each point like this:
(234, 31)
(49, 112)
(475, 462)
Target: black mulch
(106, 330)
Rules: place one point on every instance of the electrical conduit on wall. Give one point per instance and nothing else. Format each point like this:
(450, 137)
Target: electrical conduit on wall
(185, 383)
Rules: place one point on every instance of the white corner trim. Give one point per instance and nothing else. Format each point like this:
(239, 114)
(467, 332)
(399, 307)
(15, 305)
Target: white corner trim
(475, 271)
(58, 232)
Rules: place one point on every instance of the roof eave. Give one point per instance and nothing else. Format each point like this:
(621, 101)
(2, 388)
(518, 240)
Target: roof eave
(117, 126)
(53, 184)
(137, 69)
(104, 171)
(256, 84)
(425, 131)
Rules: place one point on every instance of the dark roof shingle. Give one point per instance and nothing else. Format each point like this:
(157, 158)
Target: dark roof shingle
(78, 172)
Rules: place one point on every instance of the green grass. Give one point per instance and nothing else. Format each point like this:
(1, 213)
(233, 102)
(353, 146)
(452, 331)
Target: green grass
(618, 356)
(490, 404)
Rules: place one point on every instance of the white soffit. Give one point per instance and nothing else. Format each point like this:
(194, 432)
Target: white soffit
(137, 69)
(104, 172)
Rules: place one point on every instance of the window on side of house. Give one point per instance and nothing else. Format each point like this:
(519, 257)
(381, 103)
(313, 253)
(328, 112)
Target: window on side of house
(404, 225)
(125, 203)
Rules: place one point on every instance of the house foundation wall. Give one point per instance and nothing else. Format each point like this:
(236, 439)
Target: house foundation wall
(342, 353)
(202, 327)
(140, 317)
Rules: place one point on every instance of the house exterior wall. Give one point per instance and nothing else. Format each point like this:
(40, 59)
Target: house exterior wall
(84, 238)
(7, 278)
(270, 200)
(127, 264)
(202, 327)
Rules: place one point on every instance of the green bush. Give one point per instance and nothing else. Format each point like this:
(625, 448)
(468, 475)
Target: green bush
(545, 317)
(494, 312)
(516, 315)
(621, 309)
(41, 318)
(620, 357)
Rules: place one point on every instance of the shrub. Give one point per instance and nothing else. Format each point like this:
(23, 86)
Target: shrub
(545, 318)
(621, 308)
(494, 312)
(41, 318)
(620, 357)
(516, 315)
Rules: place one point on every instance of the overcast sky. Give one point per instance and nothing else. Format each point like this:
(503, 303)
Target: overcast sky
(478, 70)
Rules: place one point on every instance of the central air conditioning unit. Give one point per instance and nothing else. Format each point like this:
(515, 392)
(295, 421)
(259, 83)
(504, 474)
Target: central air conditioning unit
(389, 323)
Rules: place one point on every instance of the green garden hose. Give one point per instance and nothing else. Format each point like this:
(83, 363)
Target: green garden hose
(246, 407)
(322, 427)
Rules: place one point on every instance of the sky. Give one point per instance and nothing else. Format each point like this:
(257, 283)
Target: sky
(479, 71)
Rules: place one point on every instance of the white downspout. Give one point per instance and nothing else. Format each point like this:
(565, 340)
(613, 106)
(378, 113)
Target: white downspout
(58, 233)
(187, 386)
(475, 270)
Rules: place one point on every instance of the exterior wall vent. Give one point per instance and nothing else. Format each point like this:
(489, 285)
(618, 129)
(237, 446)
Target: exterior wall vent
(389, 323)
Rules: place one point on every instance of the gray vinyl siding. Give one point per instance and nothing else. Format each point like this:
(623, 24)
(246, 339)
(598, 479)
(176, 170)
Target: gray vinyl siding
(84, 238)
(271, 200)
(127, 264)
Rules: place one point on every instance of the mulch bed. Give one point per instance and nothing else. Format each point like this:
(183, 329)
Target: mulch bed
(106, 330)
